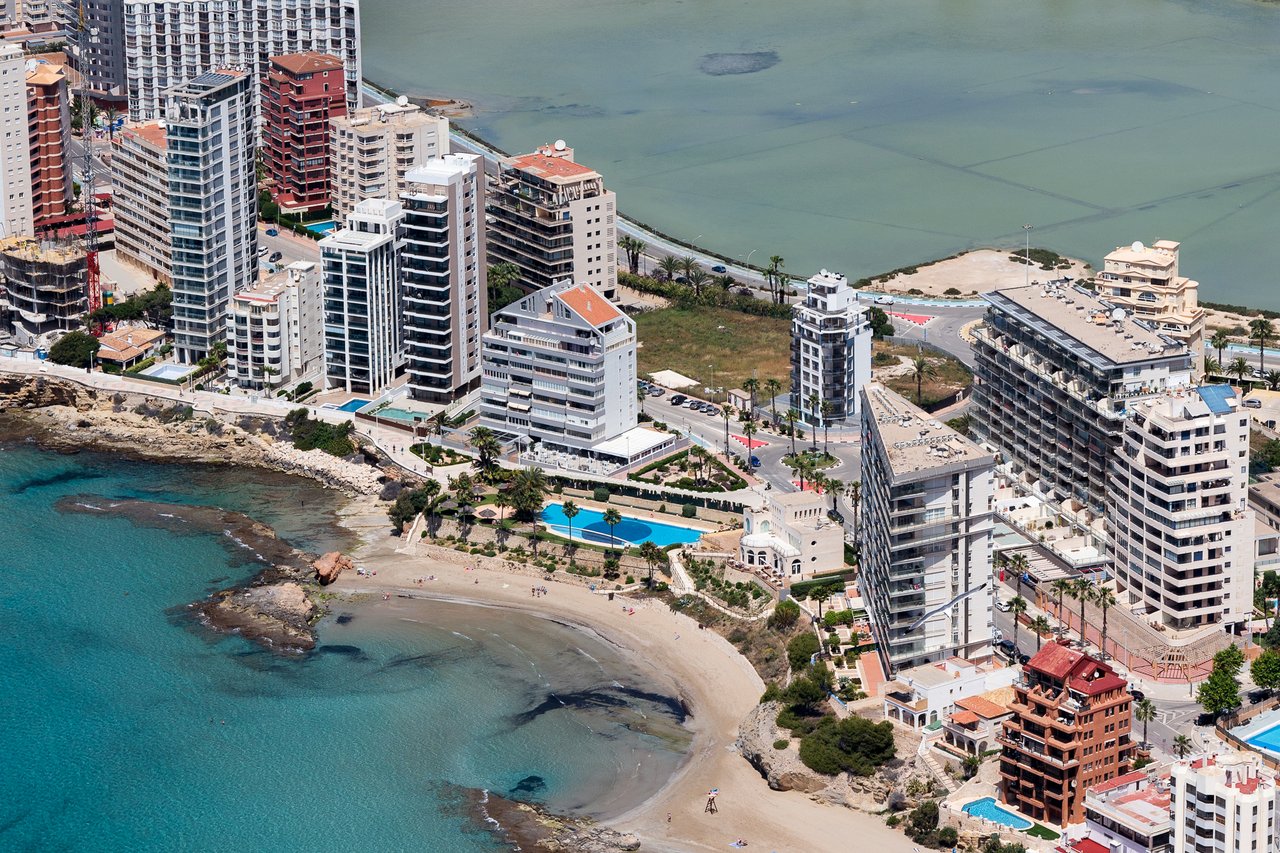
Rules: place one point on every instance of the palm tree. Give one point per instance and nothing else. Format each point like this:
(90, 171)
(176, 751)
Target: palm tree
(1061, 587)
(793, 415)
(651, 554)
(1239, 368)
(669, 266)
(570, 509)
(1212, 367)
(1221, 340)
(1018, 566)
(1144, 711)
(800, 467)
(773, 275)
(1273, 380)
(436, 424)
(748, 429)
(828, 409)
(1017, 606)
(501, 501)
(751, 385)
(818, 481)
(1182, 746)
(634, 247)
(1041, 626)
(696, 278)
(773, 388)
(834, 488)
(921, 369)
(728, 412)
(431, 489)
(612, 518)
(854, 493)
(486, 443)
(1105, 599)
(503, 274)
(1082, 591)
(641, 394)
(1261, 330)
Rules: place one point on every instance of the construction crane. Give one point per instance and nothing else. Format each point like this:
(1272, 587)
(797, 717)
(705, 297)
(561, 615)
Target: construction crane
(93, 281)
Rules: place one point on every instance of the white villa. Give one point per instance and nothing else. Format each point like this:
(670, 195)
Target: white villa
(789, 535)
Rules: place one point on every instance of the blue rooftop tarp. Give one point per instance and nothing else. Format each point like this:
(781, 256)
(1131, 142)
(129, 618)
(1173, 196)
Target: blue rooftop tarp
(1216, 397)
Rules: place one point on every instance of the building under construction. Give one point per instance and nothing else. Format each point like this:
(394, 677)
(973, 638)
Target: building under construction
(44, 288)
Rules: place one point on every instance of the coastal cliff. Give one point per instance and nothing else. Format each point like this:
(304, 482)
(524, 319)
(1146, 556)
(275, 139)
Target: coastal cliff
(62, 415)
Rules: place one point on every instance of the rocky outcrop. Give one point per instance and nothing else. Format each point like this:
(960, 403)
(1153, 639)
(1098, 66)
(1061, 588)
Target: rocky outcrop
(275, 615)
(530, 827)
(330, 565)
(22, 392)
(782, 769)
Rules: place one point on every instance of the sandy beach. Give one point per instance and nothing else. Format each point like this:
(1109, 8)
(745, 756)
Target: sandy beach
(717, 683)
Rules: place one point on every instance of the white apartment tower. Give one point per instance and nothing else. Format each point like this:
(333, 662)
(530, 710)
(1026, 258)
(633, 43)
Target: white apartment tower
(830, 350)
(140, 198)
(363, 337)
(274, 335)
(560, 367)
(1223, 803)
(1145, 280)
(167, 42)
(553, 219)
(213, 204)
(1178, 513)
(15, 149)
(927, 516)
(443, 276)
(373, 149)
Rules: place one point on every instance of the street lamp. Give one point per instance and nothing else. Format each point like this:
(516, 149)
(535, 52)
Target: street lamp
(747, 262)
(1027, 257)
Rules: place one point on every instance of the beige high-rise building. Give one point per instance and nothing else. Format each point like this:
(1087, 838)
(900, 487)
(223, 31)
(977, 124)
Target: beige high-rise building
(372, 149)
(553, 218)
(1145, 280)
(15, 145)
(140, 198)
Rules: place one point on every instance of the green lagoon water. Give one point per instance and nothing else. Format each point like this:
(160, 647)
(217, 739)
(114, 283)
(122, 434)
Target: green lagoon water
(128, 727)
(876, 133)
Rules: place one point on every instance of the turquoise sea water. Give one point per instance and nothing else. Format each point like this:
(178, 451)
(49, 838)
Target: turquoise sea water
(126, 727)
(862, 136)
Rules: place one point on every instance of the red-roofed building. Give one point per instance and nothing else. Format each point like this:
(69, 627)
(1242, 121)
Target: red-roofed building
(553, 219)
(300, 94)
(48, 125)
(1129, 814)
(1069, 731)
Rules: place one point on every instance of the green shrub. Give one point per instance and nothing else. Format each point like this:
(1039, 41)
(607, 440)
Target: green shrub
(600, 494)
(781, 744)
(309, 434)
(801, 649)
(688, 511)
(853, 745)
(74, 348)
(787, 613)
(948, 837)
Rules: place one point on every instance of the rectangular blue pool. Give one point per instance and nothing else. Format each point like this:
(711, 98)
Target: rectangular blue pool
(589, 526)
(353, 405)
(170, 371)
(988, 809)
(1268, 739)
(322, 227)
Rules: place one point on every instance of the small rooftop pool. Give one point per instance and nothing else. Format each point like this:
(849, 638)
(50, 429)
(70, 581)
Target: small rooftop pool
(988, 809)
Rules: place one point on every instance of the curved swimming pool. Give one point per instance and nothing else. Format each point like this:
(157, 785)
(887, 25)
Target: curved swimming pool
(987, 808)
(589, 526)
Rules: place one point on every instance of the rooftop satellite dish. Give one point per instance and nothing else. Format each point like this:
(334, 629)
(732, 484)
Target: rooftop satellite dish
(560, 145)
(402, 101)
(1137, 246)
(1117, 314)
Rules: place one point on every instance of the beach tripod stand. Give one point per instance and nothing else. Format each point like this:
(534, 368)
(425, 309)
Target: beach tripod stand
(711, 804)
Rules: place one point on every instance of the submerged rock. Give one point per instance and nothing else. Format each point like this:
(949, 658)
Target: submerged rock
(277, 615)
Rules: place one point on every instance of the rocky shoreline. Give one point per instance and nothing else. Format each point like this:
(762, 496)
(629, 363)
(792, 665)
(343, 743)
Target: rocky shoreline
(526, 826)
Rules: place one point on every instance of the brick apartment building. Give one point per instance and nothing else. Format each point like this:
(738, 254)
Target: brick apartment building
(1069, 732)
(300, 94)
(48, 123)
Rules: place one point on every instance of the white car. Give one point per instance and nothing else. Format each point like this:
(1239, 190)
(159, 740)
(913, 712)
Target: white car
(884, 300)
(1002, 606)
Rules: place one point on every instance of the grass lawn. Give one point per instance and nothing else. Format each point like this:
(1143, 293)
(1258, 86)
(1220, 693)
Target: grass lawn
(948, 378)
(717, 347)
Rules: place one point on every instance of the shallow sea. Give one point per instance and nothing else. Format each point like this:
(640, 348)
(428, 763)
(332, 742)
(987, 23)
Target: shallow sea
(127, 727)
(864, 135)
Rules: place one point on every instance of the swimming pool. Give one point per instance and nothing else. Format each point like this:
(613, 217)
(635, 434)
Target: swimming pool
(322, 227)
(170, 371)
(391, 413)
(987, 808)
(589, 526)
(352, 405)
(1268, 739)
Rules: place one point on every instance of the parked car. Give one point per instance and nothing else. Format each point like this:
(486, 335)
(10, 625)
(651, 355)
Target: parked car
(884, 300)
(1137, 695)
(1024, 659)
(678, 400)
(996, 635)
(712, 411)
(275, 256)
(1252, 403)
(1007, 647)
(263, 252)
(1002, 605)
(655, 391)
(693, 404)
(273, 232)
(720, 268)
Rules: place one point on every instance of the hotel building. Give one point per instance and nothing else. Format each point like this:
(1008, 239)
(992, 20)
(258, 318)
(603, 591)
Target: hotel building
(553, 219)
(830, 349)
(444, 277)
(1069, 732)
(1145, 281)
(1178, 514)
(15, 145)
(213, 205)
(789, 535)
(925, 535)
(140, 198)
(363, 336)
(300, 94)
(1057, 369)
(48, 125)
(274, 337)
(373, 149)
(1224, 803)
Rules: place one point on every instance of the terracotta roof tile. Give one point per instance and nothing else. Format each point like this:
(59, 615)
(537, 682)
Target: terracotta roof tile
(964, 718)
(587, 303)
(307, 63)
(982, 707)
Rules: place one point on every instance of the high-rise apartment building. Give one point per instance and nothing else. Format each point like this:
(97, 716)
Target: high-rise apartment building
(44, 285)
(1070, 731)
(363, 331)
(1224, 803)
(1178, 514)
(97, 51)
(1057, 369)
(1145, 280)
(213, 205)
(374, 148)
(274, 334)
(830, 351)
(168, 42)
(300, 94)
(559, 367)
(48, 127)
(140, 198)
(15, 145)
(553, 219)
(444, 277)
(927, 516)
